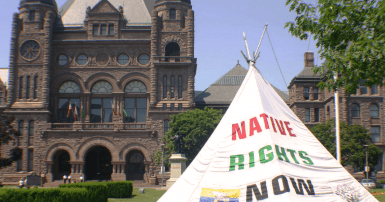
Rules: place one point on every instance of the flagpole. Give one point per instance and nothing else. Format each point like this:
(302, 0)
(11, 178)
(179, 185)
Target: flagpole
(337, 111)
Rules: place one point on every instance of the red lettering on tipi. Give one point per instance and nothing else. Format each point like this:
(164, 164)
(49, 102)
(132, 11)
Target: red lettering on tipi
(280, 127)
(241, 133)
(257, 127)
(289, 129)
(265, 119)
(272, 123)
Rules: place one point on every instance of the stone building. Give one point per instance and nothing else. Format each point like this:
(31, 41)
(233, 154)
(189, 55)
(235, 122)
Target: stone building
(3, 93)
(72, 72)
(314, 106)
(221, 93)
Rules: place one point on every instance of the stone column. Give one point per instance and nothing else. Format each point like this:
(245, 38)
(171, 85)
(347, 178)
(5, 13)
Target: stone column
(49, 174)
(178, 166)
(117, 175)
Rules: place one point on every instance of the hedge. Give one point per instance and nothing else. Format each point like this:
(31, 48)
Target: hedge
(117, 189)
(48, 195)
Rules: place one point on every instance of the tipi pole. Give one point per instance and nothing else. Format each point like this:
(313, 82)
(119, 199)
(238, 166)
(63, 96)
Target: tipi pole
(247, 45)
(337, 111)
(260, 41)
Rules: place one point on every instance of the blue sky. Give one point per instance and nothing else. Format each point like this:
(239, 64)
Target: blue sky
(218, 38)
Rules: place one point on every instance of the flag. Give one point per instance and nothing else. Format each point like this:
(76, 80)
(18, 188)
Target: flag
(124, 111)
(75, 113)
(69, 109)
(83, 114)
(113, 108)
(120, 114)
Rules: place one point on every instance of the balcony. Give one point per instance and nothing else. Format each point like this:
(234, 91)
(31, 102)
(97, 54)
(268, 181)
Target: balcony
(173, 59)
(97, 126)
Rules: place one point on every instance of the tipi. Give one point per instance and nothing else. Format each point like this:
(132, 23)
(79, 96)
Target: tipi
(261, 151)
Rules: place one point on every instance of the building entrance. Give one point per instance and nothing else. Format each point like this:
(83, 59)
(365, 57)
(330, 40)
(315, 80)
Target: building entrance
(98, 164)
(135, 165)
(61, 165)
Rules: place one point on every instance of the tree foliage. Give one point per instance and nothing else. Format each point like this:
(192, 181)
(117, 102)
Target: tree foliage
(353, 139)
(350, 35)
(8, 133)
(196, 126)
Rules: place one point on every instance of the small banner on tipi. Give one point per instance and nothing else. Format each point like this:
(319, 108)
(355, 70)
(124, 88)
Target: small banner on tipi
(261, 151)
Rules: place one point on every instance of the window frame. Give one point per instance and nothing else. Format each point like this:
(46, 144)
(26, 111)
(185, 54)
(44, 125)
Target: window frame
(375, 89)
(78, 59)
(358, 110)
(64, 111)
(166, 126)
(102, 110)
(103, 29)
(378, 138)
(172, 13)
(111, 29)
(21, 87)
(316, 114)
(180, 90)
(141, 59)
(307, 114)
(95, 29)
(27, 89)
(136, 108)
(306, 93)
(32, 15)
(315, 93)
(119, 59)
(60, 60)
(377, 111)
(164, 86)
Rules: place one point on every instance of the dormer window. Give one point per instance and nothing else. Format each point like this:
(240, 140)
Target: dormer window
(32, 15)
(172, 13)
(96, 29)
(103, 29)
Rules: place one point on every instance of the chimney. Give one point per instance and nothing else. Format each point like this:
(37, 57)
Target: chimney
(309, 59)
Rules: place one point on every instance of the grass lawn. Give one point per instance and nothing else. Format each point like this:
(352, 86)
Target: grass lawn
(150, 195)
(379, 194)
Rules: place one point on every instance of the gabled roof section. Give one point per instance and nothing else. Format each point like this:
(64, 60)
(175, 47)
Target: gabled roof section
(104, 6)
(224, 89)
(73, 12)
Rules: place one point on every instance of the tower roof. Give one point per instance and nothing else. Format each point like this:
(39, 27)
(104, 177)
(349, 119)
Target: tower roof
(48, 2)
(73, 12)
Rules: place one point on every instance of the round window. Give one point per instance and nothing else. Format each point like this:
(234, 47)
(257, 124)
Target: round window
(82, 59)
(30, 50)
(63, 60)
(123, 59)
(144, 59)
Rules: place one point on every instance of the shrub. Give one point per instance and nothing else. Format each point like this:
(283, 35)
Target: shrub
(120, 189)
(98, 190)
(48, 195)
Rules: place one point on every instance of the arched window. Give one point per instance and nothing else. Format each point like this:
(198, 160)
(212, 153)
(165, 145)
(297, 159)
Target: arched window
(69, 87)
(355, 110)
(374, 110)
(166, 126)
(102, 87)
(101, 108)
(27, 93)
(35, 87)
(180, 87)
(21, 87)
(172, 87)
(135, 87)
(165, 86)
(172, 49)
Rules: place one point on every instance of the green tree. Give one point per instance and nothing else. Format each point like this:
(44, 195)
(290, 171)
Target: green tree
(8, 133)
(350, 35)
(353, 139)
(196, 126)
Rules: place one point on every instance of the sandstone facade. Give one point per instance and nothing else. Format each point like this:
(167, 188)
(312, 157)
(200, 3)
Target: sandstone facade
(97, 68)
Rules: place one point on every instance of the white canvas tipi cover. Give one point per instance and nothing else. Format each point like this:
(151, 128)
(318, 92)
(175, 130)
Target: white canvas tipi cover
(261, 151)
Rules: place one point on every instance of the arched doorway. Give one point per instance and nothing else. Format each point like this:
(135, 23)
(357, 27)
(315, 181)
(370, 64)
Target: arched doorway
(98, 164)
(172, 49)
(61, 164)
(135, 165)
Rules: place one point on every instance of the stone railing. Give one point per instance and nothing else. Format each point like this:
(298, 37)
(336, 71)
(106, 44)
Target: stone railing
(62, 126)
(130, 126)
(172, 59)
